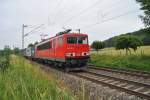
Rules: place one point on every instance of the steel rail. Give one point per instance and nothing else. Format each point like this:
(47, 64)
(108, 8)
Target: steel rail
(122, 71)
(119, 79)
(96, 80)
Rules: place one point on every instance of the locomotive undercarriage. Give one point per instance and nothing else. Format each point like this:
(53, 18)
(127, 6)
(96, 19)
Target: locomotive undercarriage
(76, 64)
(70, 64)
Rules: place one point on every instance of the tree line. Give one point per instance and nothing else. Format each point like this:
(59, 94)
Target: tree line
(143, 35)
(122, 42)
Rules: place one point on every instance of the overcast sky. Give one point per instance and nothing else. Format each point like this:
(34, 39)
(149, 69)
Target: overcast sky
(100, 19)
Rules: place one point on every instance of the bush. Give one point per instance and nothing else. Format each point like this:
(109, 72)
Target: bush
(5, 59)
(4, 63)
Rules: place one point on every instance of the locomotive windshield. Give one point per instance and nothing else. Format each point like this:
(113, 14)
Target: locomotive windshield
(72, 40)
(77, 40)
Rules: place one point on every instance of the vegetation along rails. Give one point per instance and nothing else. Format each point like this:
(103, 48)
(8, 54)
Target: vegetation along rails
(143, 74)
(132, 87)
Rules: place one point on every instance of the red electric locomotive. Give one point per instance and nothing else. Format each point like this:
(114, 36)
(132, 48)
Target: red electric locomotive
(65, 49)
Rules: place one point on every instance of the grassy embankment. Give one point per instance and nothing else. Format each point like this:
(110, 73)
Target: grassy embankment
(24, 81)
(109, 57)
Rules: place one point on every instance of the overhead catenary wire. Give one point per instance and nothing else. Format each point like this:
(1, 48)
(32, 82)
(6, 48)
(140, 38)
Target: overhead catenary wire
(60, 10)
(57, 5)
(86, 9)
(70, 10)
(103, 13)
(38, 27)
(113, 5)
(108, 12)
(71, 18)
(48, 20)
(109, 19)
(83, 11)
(59, 2)
(41, 26)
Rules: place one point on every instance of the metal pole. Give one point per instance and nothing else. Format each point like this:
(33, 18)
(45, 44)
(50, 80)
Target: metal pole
(23, 36)
(79, 31)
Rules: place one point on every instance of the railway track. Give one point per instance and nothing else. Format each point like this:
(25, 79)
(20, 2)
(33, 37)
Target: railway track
(145, 75)
(132, 87)
(129, 86)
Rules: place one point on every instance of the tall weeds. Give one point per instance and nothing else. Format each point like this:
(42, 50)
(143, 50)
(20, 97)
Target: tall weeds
(24, 81)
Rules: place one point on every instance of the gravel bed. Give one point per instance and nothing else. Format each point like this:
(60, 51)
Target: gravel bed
(87, 90)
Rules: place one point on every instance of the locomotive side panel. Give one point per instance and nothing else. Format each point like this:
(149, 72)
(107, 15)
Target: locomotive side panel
(54, 49)
(60, 49)
(44, 50)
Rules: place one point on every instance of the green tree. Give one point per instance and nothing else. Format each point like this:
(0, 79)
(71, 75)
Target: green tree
(146, 40)
(127, 42)
(135, 43)
(7, 50)
(16, 50)
(98, 45)
(36, 43)
(30, 45)
(145, 6)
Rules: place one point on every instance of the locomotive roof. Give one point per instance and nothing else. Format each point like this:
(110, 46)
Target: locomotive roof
(76, 34)
(67, 34)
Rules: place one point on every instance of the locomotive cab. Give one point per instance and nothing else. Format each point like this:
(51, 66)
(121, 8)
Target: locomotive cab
(77, 49)
(69, 50)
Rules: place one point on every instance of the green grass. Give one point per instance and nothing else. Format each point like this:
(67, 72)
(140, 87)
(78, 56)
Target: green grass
(25, 81)
(143, 50)
(112, 58)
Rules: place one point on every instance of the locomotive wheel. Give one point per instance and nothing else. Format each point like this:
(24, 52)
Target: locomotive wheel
(55, 64)
(50, 63)
(67, 69)
(84, 68)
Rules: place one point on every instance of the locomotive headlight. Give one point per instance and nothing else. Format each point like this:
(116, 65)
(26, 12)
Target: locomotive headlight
(73, 54)
(70, 54)
(88, 53)
(85, 53)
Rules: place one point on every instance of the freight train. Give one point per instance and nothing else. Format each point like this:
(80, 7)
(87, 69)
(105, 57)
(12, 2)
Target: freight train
(67, 50)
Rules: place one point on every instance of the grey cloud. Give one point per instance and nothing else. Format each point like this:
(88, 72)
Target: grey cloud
(14, 13)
